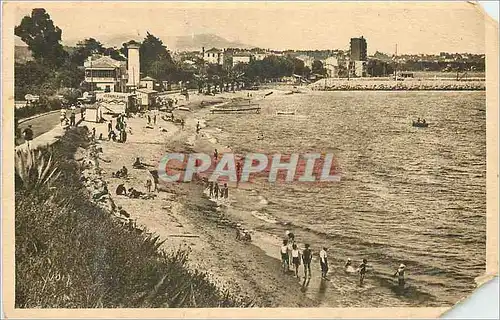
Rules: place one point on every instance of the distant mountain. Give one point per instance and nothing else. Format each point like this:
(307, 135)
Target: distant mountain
(180, 43)
(197, 41)
(107, 40)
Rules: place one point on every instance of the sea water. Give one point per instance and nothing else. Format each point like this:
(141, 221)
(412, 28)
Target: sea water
(407, 195)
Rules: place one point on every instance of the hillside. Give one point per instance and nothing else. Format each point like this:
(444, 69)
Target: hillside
(197, 41)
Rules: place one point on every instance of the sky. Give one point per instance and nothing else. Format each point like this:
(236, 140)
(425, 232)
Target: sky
(422, 27)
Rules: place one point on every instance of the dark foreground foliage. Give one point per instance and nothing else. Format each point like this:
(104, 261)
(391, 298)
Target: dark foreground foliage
(71, 254)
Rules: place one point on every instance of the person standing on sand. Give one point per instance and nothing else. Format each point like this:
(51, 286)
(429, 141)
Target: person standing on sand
(182, 124)
(307, 258)
(110, 126)
(323, 261)
(285, 262)
(226, 191)
(238, 170)
(148, 185)
(296, 259)
(216, 190)
(216, 154)
(198, 127)
(221, 191)
(211, 189)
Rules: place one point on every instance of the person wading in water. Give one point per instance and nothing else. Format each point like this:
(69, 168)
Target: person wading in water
(400, 273)
(307, 258)
(296, 259)
(284, 256)
(323, 261)
(362, 272)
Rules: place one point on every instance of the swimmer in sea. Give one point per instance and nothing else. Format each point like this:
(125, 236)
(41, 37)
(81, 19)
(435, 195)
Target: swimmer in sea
(348, 266)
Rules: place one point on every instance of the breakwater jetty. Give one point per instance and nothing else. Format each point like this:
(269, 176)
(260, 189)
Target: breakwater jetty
(387, 84)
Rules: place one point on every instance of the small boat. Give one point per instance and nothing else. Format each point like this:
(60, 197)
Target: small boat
(235, 110)
(285, 113)
(420, 124)
(183, 108)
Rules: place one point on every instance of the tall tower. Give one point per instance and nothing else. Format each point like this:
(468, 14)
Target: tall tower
(358, 49)
(133, 64)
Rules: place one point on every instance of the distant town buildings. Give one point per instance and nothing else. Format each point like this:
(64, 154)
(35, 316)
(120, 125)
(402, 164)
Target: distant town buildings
(258, 56)
(214, 55)
(358, 57)
(358, 49)
(242, 57)
(331, 64)
(308, 61)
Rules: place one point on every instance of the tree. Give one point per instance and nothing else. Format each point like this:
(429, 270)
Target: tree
(85, 49)
(298, 66)
(317, 67)
(152, 51)
(114, 54)
(42, 37)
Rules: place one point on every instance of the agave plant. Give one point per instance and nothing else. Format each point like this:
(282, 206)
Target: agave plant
(34, 169)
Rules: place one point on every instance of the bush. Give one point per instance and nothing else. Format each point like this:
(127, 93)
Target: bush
(71, 254)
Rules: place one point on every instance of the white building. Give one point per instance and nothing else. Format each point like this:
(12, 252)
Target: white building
(148, 82)
(359, 68)
(105, 74)
(145, 97)
(243, 57)
(308, 61)
(260, 56)
(331, 64)
(215, 56)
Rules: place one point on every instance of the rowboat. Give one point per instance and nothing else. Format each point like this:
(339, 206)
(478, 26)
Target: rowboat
(285, 113)
(420, 124)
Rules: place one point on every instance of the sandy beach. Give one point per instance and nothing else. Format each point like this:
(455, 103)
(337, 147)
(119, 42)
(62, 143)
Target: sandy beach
(183, 215)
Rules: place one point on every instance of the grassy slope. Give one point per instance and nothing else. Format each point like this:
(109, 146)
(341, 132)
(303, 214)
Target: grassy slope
(71, 254)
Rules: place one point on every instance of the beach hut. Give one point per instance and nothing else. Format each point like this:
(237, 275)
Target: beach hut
(145, 97)
(93, 113)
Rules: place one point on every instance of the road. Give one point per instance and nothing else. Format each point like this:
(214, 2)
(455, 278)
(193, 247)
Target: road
(41, 124)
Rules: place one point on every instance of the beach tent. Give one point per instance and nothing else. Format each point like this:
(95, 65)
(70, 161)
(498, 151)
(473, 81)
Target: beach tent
(114, 102)
(93, 113)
